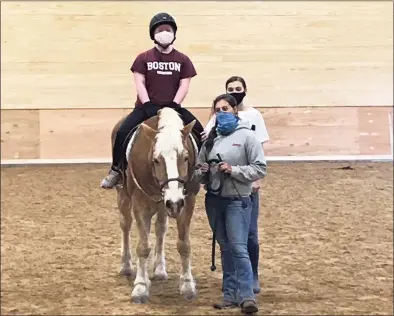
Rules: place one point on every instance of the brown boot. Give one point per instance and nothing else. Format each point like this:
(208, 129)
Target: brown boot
(225, 305)
(249, 307)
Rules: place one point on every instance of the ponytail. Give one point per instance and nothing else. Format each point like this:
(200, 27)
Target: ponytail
(211, 136)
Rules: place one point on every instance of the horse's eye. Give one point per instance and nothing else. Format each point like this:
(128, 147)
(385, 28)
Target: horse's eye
(186, 158)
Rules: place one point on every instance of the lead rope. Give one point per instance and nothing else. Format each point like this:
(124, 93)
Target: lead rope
(215, 220)
(218, 210)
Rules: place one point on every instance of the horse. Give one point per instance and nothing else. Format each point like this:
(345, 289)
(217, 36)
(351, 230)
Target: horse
(157, 180)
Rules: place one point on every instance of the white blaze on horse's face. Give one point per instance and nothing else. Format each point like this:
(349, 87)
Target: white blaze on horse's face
(173, 195)
(170, 160)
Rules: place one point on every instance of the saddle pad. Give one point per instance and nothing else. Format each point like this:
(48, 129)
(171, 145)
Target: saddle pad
(131, 142)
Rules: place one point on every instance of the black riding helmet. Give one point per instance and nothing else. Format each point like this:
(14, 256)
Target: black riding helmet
(159, 19)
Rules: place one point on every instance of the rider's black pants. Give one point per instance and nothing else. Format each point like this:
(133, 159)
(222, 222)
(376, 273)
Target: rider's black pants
(136, 117)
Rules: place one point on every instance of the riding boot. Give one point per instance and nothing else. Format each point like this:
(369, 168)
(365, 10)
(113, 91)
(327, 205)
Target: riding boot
(112, 179)
(136, 117)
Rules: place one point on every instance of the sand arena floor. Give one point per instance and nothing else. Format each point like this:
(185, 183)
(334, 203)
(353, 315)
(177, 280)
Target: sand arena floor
(326, 244)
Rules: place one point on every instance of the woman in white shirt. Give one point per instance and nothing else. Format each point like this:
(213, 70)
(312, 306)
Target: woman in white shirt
(236, 86)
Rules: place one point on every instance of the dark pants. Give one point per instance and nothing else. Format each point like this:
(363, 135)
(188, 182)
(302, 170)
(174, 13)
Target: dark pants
(253, 238)
(138, 116)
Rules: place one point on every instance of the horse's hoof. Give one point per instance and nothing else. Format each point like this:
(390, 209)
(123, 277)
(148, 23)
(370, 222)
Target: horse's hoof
(127, 271)
(140, 294)
(160, 276)
(188, 290)
(190, 296)
(140, 299)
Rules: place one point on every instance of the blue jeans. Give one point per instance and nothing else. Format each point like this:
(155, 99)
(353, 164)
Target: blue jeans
(232, 230)
(253, 239)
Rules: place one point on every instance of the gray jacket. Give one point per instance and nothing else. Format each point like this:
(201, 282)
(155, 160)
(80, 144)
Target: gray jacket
(244, 153)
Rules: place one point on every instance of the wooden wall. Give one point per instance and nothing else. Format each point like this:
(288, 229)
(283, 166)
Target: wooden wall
(85, 133)
(60, 54)
(66, 80)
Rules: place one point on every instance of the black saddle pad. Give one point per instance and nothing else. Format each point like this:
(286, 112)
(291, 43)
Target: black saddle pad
(128, 137)
(124, 146)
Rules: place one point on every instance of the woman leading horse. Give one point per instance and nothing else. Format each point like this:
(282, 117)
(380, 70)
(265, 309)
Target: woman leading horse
(229, 162)
(236, 87)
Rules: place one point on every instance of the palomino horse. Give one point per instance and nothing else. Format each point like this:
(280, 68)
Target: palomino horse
(161, 159)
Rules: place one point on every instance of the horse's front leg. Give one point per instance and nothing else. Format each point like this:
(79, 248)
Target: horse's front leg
(125, 221)
(140, 293)
(187, 284)
(161, 226)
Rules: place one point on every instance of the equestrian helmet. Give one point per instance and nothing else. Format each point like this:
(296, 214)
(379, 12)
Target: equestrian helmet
(159, 19)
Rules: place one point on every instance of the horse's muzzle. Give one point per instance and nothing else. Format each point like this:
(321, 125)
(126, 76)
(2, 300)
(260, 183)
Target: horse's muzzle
(174, 208)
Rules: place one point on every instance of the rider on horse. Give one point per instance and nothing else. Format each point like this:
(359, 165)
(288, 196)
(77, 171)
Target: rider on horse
(162, 77)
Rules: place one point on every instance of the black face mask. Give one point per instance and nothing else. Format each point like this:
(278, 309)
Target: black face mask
(238, 96)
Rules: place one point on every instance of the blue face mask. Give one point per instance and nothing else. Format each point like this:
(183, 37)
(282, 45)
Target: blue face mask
(226, 122)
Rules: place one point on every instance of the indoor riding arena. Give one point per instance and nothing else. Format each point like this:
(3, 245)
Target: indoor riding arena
(320, 72)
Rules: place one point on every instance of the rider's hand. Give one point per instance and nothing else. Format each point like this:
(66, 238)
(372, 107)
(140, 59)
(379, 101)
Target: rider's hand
(147, 103)
(256, 186)
(203, 167)
(174, 105)
(204, 135)
(225, 167)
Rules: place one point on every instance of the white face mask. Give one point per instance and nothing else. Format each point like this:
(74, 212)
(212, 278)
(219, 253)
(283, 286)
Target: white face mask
(164, 38)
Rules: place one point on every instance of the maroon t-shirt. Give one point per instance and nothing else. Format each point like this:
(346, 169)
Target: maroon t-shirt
(163, 73)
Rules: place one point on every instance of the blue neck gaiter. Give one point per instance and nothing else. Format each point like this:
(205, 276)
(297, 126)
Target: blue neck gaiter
(226, 122)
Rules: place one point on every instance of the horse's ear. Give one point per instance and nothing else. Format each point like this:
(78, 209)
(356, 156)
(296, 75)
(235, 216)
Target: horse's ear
(188, 128)
(148, 131)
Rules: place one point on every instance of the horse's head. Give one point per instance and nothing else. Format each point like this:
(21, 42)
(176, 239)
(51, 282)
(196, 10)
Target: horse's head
(170, 158)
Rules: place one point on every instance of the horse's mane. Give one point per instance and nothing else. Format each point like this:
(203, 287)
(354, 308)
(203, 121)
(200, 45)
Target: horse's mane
(169, 136)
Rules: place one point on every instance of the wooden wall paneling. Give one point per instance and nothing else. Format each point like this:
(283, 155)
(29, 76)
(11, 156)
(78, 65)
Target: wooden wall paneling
(20, 134)
(77, 54)
(82, 133)
(85, 133)
(374, 131)
(312, 131)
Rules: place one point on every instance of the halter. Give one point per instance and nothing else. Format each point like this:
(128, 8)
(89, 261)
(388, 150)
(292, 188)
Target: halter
(161, 186)
(219, 192)
(179, 180)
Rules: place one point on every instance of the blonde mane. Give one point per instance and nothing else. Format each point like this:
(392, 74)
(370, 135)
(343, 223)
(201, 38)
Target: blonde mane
(169, 136)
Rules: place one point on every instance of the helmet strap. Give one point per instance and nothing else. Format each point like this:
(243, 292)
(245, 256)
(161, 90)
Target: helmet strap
(164, 50)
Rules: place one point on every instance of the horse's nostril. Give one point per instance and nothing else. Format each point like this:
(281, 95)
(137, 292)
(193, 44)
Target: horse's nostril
(182, 203)
(168, 204)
